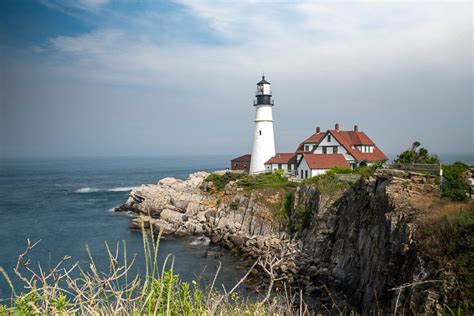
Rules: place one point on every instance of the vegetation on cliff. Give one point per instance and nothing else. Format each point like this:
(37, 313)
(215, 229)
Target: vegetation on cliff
(276, 180)
(447, 240)
(455, 186)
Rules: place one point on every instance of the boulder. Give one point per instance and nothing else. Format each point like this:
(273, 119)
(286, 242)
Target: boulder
(237, 240)
(173, 216)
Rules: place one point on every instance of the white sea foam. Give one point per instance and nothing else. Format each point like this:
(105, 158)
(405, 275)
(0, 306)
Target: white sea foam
(121, 189)
(203, 240)
(93, 190)
(87, 190)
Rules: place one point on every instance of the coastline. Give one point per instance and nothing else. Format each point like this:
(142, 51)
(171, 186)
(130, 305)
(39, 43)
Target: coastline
(348, 250)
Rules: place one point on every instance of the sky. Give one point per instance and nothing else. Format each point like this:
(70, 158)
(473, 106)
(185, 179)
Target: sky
(131, 78)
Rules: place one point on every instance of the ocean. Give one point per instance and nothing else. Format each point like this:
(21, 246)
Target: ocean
(68, 204)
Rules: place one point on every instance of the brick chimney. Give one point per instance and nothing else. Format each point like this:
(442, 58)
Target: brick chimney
(336, 127)
(318, 129)
(356, 128)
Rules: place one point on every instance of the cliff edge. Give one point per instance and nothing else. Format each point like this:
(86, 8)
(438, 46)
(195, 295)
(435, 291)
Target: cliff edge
(361, 247)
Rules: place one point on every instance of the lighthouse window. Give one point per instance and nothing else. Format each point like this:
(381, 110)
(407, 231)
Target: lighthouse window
(259, 132)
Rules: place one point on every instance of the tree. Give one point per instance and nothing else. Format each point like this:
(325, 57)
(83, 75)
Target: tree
(417, 154)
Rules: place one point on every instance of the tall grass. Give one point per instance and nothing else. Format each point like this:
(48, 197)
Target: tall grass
(75, 289)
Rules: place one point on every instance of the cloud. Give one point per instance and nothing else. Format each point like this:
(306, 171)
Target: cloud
(381, 65)
(300, 39)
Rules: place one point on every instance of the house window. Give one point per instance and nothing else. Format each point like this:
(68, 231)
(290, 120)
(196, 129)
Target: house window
(329, 138)
(301, 174)
(289, 167)
(259, 132)
(334, 149)
(325, 150)
(306, 173)
(279, 166)
(306, 148)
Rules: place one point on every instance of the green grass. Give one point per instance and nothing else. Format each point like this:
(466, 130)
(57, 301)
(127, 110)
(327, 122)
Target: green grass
(119, 291)
(249, 182)
(266, 181)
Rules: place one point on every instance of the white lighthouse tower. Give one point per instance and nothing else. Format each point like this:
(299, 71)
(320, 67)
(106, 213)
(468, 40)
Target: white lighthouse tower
(263, 140)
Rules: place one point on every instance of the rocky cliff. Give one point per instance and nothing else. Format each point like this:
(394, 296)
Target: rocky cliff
(359, 251)
(363, 247)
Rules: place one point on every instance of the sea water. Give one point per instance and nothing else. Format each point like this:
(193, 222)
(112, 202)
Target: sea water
(68, 204)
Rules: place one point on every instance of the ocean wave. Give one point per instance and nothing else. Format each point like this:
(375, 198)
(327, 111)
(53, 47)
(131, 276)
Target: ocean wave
(121, 189)
(87, 190)
(202, 240)
(94, 190)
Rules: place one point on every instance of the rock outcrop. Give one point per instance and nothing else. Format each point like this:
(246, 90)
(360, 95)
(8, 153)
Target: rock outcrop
(363, 247)
(236, 219)
(360, 246)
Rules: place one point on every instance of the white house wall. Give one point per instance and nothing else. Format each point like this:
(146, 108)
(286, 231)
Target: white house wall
(303, 166)
(311, 172)
(340, 149)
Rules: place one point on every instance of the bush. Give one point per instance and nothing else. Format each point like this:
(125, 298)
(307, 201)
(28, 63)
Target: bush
(455, 195)
(283, 208)
(220, 181)
(454, 184)
(327, 183)
(234, 205)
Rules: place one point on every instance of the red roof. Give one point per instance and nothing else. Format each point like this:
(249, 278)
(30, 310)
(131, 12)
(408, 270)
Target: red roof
(313, 139)
(350, 139)
(325, 161)
(282, 158)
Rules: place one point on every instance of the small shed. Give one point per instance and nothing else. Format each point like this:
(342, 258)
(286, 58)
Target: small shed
(241, 163)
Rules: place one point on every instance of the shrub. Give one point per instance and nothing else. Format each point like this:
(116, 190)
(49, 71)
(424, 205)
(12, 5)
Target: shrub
(283, 208)
(220, 181)
(454, 185)
(455, 195)
(327, 183)
(234, 205)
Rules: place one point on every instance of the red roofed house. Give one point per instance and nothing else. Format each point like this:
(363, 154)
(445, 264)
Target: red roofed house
(283, 161)
(321, 152)
(316, 164)
(355, 146)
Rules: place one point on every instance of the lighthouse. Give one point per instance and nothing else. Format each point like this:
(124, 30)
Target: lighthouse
(263, 139)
